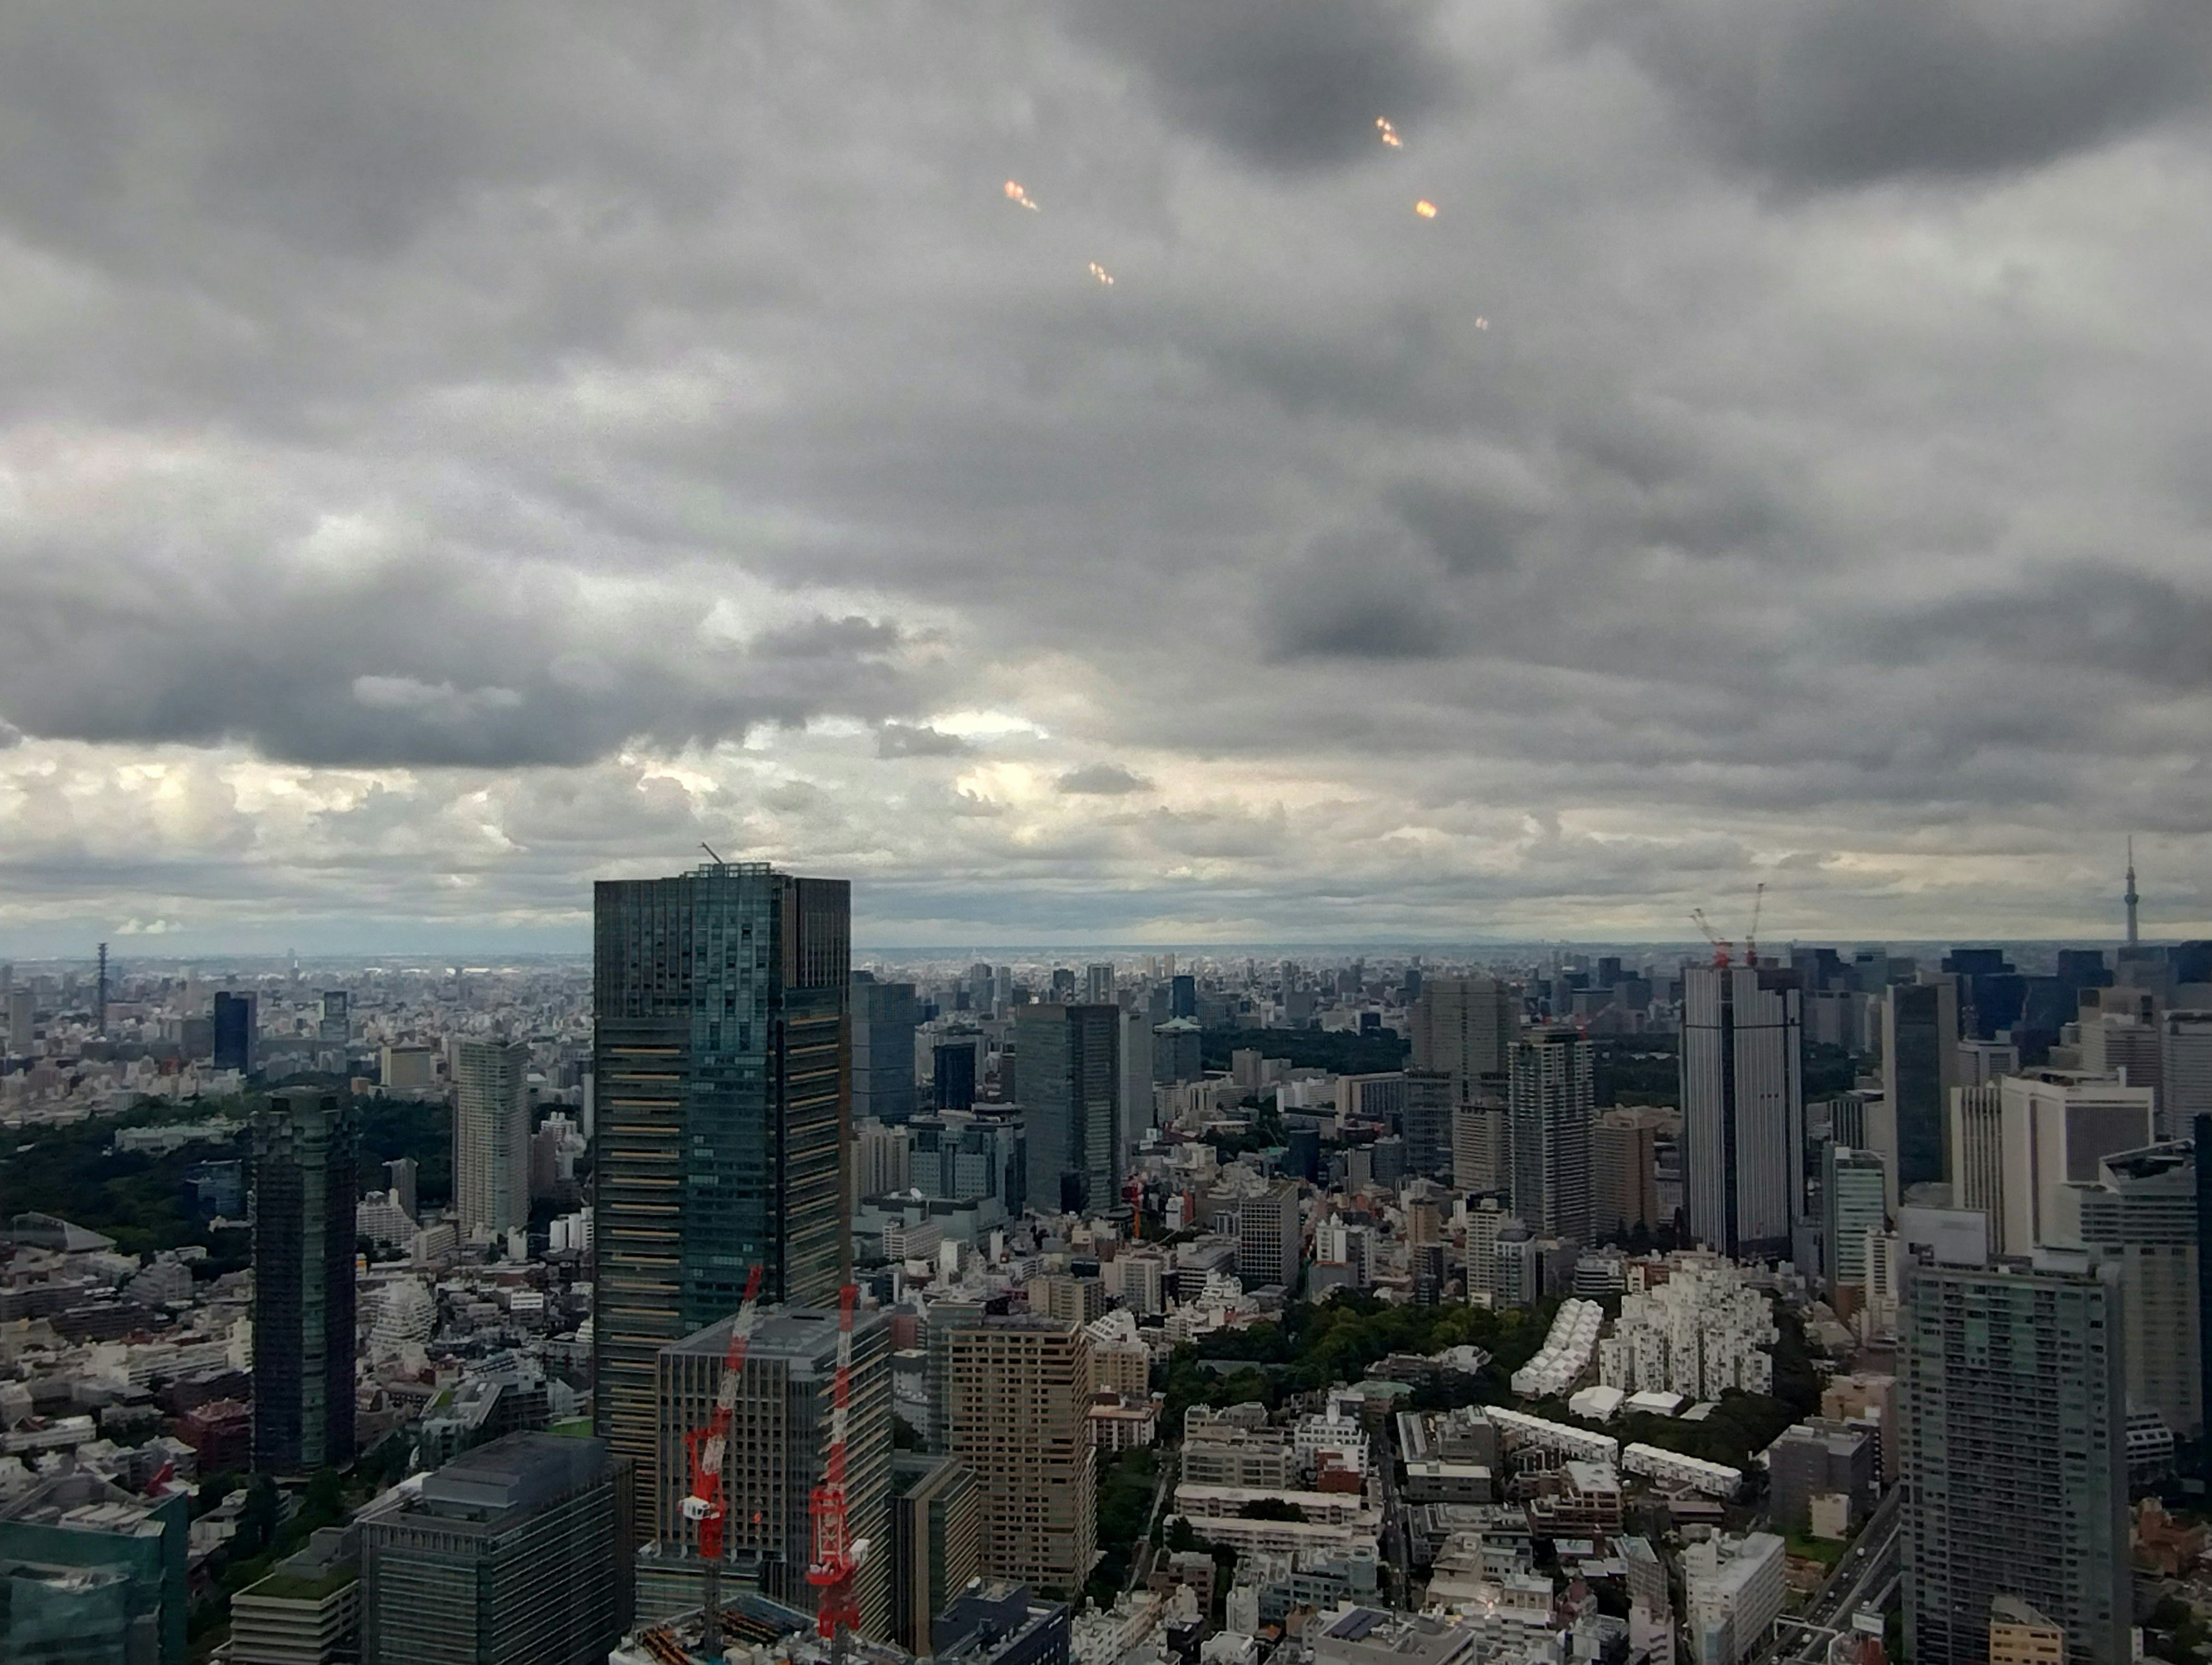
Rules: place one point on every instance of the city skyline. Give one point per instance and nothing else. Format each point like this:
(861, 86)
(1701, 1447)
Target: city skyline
(484, 460)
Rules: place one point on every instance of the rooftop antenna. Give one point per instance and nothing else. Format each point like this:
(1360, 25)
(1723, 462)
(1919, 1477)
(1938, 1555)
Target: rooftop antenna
(711, 856)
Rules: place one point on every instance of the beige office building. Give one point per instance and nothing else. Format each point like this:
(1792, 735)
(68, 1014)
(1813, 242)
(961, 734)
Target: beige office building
(1019, 1413)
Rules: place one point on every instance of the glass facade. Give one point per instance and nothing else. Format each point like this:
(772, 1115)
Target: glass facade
(721, 1061)
(305, 1184)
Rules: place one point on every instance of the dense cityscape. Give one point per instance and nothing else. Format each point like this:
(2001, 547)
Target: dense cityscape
(1106, 832)
(723, 1296)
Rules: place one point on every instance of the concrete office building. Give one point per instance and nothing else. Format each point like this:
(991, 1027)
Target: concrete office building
(2013, 1396)
(779, 1436)
(1465, 1028)
(2187, 1070)
(1271, 1238)
(722, 1103)
(936, 1540)
(2055, 1127)
(1549, 1101)
(1019, 1402)
(1743, 1094)
(1733, 1590)
(1067, 1082)
(2140, 1214)
(1482, 1147)
(1852, 1185)
(1625, 1169)
(491, 1137)
(1819, 1458)
(305, 1184)
(883, 1019)
(1977, 1149)
(514, 1553)
(1920, 1067)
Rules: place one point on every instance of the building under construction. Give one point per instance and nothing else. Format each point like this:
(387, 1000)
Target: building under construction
(779, 1437)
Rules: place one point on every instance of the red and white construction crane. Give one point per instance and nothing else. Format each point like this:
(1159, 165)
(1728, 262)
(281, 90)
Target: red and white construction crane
(708, 1448)
(1721, 945)
(837, 1553)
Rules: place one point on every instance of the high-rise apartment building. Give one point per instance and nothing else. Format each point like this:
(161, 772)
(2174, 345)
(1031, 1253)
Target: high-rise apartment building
(883, 1018)
(1018, 1393)
(1742, 1094)
(515, 1553)
(1068, 1085)
(2140, 1216)
(1920, 1067)
(1271, 1238)
(779, 1436)
(305, 1186)
(1548, 1099)
(720, 1078)
(237, 1025)
(2014, 1407)
(1625, 1169)
(1465, 1027)
(491, 1137)
(2055, 1127)
(335, 1028)
(1099, 984)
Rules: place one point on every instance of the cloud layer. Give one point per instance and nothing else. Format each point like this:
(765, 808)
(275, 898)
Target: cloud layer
(446, 459)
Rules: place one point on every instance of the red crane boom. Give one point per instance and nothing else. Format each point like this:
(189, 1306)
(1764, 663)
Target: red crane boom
(836, 1553)
(707, 1447)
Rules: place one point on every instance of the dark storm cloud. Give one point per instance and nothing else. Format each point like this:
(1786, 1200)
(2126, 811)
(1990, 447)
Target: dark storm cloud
(450, 660)
(1471, 530)
(1838, 93)
(1284, 84)
(544, 397)
(1359, 595)
(1103, 781)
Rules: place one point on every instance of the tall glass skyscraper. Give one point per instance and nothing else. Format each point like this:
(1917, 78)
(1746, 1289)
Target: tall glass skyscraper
(1743, 1093)
(1067, 1079)
(721, 1063)
(305, 1186)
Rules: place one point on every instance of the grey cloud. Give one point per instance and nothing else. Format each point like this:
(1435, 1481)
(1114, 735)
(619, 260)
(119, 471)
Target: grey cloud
(1282, 84)
(1359, 596)
(1103, 780)
(1470, 530)
(414, 661)
(917, 740)
(1823, 94)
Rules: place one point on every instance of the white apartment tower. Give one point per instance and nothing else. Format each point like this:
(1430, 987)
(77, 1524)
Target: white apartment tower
(491, 1136)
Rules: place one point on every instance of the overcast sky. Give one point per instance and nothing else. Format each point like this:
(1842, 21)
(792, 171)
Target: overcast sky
(448, 453)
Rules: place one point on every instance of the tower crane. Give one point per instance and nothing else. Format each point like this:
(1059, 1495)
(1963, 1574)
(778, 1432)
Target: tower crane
(1750, 937)
(1722, 947)
(837, 1555)
(706, 1448)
